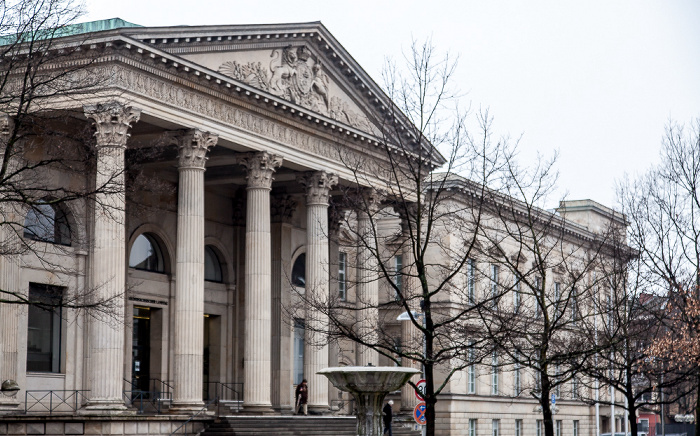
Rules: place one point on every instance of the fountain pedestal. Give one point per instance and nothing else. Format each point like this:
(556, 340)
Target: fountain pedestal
(369, 385)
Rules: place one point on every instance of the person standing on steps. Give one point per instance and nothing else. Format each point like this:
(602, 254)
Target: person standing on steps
(388, 415)
(302, 397)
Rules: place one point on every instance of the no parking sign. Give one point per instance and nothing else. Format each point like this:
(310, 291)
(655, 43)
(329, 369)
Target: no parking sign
(419, 414)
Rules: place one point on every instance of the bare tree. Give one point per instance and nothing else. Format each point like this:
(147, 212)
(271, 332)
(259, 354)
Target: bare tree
(663, 206)
(47, 150)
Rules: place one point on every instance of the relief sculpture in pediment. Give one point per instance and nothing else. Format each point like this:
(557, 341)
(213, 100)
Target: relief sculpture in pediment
(296, 75)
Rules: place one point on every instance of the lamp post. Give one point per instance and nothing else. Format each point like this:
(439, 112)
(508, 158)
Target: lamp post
(406, 316)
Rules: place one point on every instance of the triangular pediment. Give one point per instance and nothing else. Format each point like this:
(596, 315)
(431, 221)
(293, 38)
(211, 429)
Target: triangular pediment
(300, 63)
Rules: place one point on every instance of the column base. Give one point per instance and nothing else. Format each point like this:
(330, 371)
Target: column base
(319, 409)
(258, 409)
(9, 406)
(101, 408)
(186, 408)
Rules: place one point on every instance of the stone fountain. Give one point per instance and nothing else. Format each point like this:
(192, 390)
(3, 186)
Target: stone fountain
(369, 385)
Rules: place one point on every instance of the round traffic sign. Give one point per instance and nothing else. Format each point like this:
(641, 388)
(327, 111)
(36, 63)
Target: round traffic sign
(419, 414)
(420, 390)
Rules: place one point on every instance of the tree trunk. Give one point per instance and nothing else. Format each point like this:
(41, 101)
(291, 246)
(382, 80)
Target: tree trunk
(697, 402)
(546, 407)
(430, 400)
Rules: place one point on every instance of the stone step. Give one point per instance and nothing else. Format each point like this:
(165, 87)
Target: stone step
(292, 426)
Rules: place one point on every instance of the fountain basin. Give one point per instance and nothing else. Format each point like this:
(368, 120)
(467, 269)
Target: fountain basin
(369, 385)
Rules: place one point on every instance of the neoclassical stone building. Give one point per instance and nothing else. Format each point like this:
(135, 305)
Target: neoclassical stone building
(255, 127)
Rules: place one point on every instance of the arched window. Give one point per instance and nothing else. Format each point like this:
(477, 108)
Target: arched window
(299, 271)
(146, 254)
(212, 266)
(47, 223)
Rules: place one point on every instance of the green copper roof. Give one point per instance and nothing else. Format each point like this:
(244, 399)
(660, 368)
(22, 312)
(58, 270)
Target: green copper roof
(96, 26)
(77, 29)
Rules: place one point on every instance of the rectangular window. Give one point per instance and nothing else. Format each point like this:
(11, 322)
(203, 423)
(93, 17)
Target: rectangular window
(472, 427)
(575, 428)
(494, 373)
(557, 428)
(471, 369)
(342, 271)
(517, 380)
(299, 331)
(574, 306)
(44, 328)
(540, 428)
(518, 427)
(557, 388)
(516, 293)
(494, 285)
(574, 387)
(471, 273)
(495, 427)
(557, 298)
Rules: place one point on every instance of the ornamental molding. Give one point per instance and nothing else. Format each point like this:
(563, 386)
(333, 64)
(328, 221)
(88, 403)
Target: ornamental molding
(112, 122)
(296, 75)
(193, 146)
(318, 185)
(259, 168)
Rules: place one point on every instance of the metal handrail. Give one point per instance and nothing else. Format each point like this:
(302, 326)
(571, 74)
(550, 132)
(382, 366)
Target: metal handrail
(226, 392)
(73, 400)
(154, 398)
(184, 424)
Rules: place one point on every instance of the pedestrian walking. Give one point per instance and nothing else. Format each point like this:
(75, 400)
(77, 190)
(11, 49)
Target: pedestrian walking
(302, 397)
(388, 415)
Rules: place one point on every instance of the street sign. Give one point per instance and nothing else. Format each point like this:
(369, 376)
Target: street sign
(420, 390)
(554, 399)
(419, 414)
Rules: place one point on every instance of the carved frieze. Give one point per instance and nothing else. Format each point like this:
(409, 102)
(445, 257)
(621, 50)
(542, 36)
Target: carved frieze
(112, 122)
(296, 75)
(193, 146)
(218, 108)
(259, 168)
(318, 185)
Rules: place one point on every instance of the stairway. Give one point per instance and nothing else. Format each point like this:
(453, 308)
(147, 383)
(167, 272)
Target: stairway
(290, 426)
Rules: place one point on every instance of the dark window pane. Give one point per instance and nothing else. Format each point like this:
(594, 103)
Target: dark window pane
(44, 328)
(47, 223)
(212, 266)
(146, 254)
(299, 271)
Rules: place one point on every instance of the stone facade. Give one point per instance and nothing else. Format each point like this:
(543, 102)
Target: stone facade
(259, 127)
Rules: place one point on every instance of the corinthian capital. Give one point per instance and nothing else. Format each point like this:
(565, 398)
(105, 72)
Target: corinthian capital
(193, 146)
(112, 122)
(318, 185)
(260, 167)
(366, 201)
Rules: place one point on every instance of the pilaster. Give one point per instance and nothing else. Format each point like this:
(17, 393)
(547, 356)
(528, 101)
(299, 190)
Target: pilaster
(112, 121)
(9, 284)
(193, 147)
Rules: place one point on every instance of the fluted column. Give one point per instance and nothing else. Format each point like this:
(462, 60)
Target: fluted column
(193, 146)
(410, 334)
(318, 185)
(258, 280)
(108, 255)
(9, 284)
(367, 276)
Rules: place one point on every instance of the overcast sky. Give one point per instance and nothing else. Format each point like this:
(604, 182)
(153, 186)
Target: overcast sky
(596, 80)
